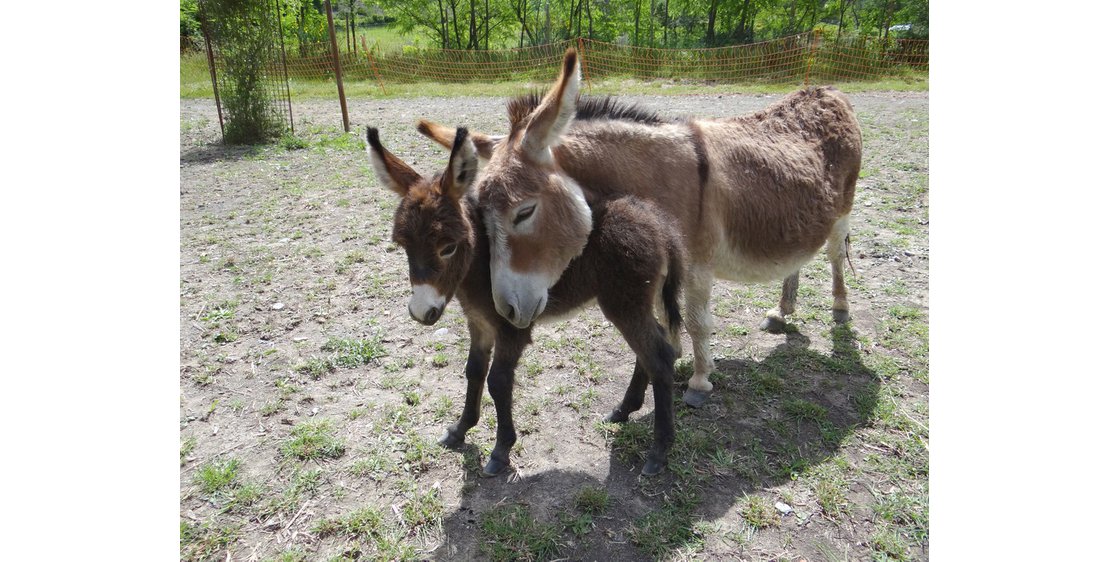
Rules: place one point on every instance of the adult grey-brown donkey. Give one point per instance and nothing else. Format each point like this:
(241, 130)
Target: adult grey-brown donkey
(756, 196)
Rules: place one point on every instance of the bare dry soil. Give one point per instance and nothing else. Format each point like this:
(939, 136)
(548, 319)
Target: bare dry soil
(311, 402)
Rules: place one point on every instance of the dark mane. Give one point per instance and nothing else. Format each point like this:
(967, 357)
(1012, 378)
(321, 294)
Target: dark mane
(589, 108)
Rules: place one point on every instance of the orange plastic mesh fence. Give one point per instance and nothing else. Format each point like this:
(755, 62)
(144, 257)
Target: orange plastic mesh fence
(803, 58)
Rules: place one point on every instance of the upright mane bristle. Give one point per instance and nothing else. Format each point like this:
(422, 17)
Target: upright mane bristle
(589, 108)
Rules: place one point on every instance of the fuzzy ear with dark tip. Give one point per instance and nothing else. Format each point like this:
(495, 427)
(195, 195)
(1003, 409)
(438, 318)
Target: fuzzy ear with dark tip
(462, 167)
(391, 171)
(552, 117)
(445, 136)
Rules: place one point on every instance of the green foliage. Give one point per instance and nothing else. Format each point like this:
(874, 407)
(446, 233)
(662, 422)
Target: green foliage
(244, 34)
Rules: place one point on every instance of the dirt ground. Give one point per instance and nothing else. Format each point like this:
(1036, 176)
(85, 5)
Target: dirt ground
(294, 325)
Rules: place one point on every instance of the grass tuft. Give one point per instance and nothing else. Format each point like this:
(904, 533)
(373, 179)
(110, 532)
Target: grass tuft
(511, 533)
(313, 440)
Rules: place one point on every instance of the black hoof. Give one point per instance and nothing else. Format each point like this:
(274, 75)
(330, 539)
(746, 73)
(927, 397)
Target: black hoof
(653, 467)
(616, 416)
(773, 325)
(494, 467)
(695, 398)
(451, 440)
(841, 316)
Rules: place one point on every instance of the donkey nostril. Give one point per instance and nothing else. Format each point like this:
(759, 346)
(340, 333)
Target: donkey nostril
(431, 316)
(512, 313)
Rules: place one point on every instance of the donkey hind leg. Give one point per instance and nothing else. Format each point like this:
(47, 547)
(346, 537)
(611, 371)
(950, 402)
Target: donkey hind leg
(836, 251)
(648, 340)
(506, 353)
(477, 364)
(699, 323)
(775, 320)
(633, 396)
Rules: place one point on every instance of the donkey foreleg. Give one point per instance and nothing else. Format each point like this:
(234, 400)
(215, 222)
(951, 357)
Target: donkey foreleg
(633, 396)
(477, 364)
(506, 354)
(699, 323)
(775, 320)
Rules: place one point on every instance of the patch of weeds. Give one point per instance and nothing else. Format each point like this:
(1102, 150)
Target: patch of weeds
(357, 413)
(354, 352)
(766, 383)
(373, 465)
(411, 397)
(804, 410)
(592, 500)
(423, 509)
(226, 336)
(440, 360)
(584, 401)
(831, 494)
(417, 453)
(187, 447)
(292, 142)
(759, 512)
(887, 544)
(510, 532)
(313, 440)
(202, 541)
(629, 439)
(222, 311)
(315, 368)
(580, 524)
(532, 368)
(339, 141)
(246, 495)
(910, 512)
(217, 475)
(737, 331)
(365, 523)
(294, 555)
(350, 259)
(666, 529)
(442, 407)
(271, 408)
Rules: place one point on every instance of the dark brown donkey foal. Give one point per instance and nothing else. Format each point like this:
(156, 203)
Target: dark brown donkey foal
(630, 257)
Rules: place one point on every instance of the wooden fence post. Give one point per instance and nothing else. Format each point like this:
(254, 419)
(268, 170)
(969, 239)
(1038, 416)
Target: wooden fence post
(338, 68)
(212, 71)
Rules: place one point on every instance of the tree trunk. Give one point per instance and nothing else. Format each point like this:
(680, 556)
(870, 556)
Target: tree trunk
(710, 31)
(666, 22)
(636, 33)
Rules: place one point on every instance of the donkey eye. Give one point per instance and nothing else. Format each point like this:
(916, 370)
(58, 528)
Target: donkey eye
(524, 214)
(448, 250)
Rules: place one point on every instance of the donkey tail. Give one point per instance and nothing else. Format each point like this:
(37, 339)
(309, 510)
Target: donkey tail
(672, 285)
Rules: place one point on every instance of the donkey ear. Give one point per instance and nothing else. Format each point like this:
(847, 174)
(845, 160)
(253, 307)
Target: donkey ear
(445, 136)
(462, 168)
(391, 171)
(552, 117)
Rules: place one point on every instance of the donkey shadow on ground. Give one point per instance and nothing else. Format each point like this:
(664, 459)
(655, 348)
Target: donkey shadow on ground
(768, 422)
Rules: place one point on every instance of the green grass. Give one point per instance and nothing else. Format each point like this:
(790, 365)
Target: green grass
(351, 353)
(509, 532)
(759, 512)
(217, 475)
(592, 500)
(201, 541)
(313, 440)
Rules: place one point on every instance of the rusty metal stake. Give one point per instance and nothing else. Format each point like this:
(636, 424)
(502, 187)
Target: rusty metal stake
(338, 68)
